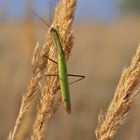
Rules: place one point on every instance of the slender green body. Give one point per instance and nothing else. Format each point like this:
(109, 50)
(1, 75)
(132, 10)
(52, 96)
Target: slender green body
(62, 68)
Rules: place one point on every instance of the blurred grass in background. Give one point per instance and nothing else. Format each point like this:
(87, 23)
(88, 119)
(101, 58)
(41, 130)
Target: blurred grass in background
(102, 48)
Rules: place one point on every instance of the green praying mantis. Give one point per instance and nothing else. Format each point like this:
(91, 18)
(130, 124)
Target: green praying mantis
(62, 68)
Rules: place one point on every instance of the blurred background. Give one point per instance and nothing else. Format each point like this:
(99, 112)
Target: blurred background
(106, 33)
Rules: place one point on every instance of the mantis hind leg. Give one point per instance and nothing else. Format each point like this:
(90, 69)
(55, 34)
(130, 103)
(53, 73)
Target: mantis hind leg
(76, 75)
(71, 75)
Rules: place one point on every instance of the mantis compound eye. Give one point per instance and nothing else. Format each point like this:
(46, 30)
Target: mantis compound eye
(53, 30)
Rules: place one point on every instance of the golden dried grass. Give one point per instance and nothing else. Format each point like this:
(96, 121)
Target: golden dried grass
(124, 96)
(26, 101)
(48, 104)
(48, 101)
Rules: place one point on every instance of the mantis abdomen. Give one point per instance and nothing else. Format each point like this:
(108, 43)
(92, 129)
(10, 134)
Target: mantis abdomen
(64, 85)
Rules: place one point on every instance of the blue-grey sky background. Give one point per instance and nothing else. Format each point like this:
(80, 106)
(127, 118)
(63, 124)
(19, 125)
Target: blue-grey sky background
(94, 10)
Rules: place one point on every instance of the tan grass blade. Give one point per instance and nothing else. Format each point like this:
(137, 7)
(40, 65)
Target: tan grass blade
(49, 103)
(26, 101)
(124, 96)
(28, 95)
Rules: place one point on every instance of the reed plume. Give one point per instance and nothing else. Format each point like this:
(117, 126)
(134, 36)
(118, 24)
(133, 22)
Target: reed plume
(49, 102)
(26, 102)
(124, 96)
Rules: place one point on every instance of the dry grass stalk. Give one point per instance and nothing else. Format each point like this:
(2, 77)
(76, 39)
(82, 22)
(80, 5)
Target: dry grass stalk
(26, 101)
(48, 103)
(29, 95)
(124, 97)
